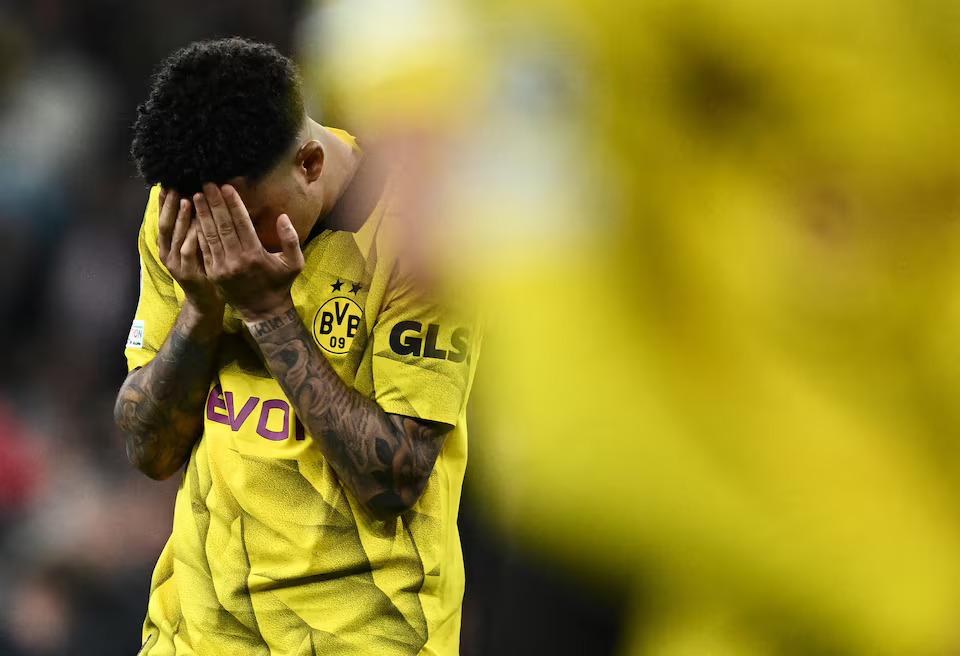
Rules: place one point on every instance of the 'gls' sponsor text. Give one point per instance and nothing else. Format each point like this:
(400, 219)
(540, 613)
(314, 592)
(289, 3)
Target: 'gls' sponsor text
(409, 338)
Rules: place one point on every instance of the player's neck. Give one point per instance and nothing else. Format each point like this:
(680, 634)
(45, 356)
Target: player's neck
(340, 163)
(359, 196)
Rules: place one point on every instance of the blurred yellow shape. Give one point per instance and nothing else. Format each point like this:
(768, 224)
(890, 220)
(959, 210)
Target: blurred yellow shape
(723, 358)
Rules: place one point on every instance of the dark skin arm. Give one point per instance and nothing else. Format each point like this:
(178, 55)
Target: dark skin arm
(159, 408)
(384, 459)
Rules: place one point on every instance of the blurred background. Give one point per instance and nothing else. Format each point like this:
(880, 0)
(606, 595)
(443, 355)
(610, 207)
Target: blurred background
(716, 245)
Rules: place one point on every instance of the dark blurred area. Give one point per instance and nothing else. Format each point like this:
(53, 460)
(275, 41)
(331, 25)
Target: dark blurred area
(80, 529)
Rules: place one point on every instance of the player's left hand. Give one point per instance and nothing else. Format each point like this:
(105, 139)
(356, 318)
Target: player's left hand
(253, 280)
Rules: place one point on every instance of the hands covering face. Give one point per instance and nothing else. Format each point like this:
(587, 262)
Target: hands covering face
(219, 258)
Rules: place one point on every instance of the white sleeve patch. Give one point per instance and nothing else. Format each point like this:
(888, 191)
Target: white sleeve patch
(135, 338)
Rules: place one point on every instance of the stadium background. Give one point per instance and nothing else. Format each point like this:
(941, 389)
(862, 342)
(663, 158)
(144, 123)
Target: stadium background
(717, 247)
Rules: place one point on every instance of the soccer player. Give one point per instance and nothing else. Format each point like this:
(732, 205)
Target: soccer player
(315, 392)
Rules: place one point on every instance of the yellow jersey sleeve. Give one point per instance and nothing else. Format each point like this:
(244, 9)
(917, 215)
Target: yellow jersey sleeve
(424, 356)
(159, 303)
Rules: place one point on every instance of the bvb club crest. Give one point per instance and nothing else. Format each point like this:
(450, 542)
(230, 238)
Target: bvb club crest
(336, 324)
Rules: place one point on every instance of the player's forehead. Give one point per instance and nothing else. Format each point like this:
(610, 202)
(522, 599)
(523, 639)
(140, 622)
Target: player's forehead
(262, 198)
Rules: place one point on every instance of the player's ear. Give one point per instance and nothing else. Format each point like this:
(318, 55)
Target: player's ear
(310, 159)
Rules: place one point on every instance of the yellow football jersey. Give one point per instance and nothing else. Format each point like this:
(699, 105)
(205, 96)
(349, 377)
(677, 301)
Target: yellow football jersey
(270, 553)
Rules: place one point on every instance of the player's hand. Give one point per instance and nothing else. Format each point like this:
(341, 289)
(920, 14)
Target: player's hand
(180, 252)
(253, 280)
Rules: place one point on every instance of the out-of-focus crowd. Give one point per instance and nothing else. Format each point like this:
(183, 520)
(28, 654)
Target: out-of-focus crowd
(79, 528)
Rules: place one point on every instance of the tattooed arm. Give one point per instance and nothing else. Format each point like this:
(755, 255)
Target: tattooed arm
(160, 406)
(385, 459)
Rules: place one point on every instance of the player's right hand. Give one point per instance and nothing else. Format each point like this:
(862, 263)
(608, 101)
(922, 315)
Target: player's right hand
(180, 252)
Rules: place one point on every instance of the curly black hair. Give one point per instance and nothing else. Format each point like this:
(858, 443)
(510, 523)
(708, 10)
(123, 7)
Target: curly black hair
(217, 109)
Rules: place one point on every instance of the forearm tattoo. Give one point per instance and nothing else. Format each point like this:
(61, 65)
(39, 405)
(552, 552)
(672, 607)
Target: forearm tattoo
(160, 406)
(261, 328)
(384, 459)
